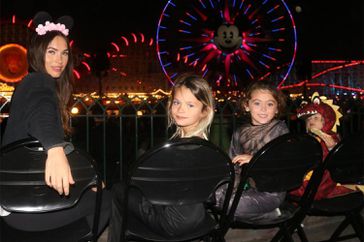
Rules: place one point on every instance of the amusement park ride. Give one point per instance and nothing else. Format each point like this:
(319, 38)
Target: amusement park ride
(229, 42)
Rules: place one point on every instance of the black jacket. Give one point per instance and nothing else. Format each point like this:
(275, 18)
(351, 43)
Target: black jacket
(34, 112)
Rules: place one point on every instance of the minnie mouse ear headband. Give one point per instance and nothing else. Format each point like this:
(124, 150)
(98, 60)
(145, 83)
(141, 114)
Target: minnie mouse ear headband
(43, 22)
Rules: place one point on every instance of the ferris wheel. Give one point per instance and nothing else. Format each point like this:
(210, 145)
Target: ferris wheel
(229, 42)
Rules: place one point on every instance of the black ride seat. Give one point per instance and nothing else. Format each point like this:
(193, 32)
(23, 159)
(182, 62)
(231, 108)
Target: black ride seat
(180, 172)
(23, 190)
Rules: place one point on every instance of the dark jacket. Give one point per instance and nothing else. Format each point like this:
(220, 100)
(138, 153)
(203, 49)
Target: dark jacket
(34, 112)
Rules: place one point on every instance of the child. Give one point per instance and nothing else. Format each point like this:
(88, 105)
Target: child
(190, 110)
(191, 107)
(264, 103)
(321, 117)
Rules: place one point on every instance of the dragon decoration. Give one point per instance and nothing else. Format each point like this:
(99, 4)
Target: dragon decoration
(328, 110)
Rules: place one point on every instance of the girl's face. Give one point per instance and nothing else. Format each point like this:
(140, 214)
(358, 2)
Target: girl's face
(187, 110)
(315, 121)
(56, 57)
(262, 107)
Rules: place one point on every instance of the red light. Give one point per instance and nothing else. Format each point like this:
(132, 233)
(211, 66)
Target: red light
(134, 37)
(77, 74)
(86, 65)
(116, 46)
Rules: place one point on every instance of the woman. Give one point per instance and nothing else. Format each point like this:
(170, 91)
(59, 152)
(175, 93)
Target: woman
(39, 110)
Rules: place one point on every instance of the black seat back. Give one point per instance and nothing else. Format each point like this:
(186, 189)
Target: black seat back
(280, 166)
(183, 171)
(22, 185)
(282, 163)
(346, 160)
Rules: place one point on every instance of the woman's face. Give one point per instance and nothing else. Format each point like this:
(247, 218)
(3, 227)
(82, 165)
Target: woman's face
(262, 107)
(187, 110)
(56, 57)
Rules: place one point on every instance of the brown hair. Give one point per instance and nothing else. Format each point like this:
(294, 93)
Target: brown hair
(36, 55)
(264, 85)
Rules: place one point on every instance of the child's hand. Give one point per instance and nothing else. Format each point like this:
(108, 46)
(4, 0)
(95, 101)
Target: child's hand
(242, 159)
(316, 132)
(328, 139)
(94, 189)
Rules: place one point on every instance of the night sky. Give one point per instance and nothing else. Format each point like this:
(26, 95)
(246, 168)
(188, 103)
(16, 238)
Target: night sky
(327, 29)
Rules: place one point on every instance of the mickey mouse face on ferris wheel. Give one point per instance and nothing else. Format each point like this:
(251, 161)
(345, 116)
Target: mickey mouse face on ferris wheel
(230, 43)
(227, 38)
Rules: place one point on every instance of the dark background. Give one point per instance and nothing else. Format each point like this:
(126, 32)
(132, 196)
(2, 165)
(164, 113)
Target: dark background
(327, 29)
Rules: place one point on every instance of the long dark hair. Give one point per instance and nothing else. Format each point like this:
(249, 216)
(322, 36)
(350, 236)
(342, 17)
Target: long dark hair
(36, 54)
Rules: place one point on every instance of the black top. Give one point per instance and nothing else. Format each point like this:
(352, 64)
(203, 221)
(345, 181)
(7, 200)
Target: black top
(34, 112)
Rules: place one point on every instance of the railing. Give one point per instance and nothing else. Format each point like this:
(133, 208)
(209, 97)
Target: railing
(115, 131)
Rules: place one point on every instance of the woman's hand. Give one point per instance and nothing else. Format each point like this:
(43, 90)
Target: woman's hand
(57, 171)
(242, 159)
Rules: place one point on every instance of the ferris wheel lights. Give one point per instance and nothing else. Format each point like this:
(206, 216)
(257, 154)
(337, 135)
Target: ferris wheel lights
(184, 31)
(86, 65)
(191, 16)
(142, 37)
(134, 37)
(115, 46)
(77, 74)
(151, 42)
(125, 40)
(277, 19)
(269, 33)
(184, 22)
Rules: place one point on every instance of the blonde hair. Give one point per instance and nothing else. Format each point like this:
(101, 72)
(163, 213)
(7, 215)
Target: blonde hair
(201, 90)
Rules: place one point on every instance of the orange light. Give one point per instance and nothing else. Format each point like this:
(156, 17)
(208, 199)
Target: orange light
(13, 62)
